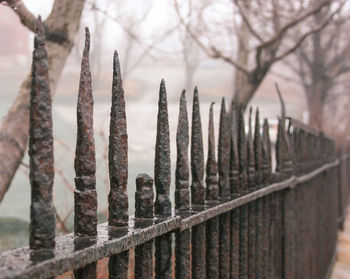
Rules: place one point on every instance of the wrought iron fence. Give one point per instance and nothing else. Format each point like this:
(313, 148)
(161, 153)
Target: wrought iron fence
(243, 221)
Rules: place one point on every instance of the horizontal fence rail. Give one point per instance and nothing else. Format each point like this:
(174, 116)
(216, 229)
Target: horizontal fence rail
(233, 217)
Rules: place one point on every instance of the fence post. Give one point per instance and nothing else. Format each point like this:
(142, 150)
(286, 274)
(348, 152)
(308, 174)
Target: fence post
(259, 253)
(118, 170)
(234, 191)
(286, 169)
(182, 195)
(197, 190)
(212, 226)
(162, 176)
(144, 212)
(243, 211)
(42, 216)
(224, 192)
(85, 197)
(266, 169)
(251, 205)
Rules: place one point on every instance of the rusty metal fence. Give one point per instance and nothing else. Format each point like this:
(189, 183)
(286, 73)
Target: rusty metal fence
(242, 221)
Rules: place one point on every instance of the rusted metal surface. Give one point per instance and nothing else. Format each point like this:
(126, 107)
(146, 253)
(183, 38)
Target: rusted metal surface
(118, 152)
(162, 182)
(41, 175)
(182, 195)
(248, 223)
(197, 154)
(118, 169)
(234, 191)
(211, 180)
(197, 190)
(224, 192)
(251, 206)
(243, 211)
(144, 210)
(114, 241)
(259, 251)
(212, 226)
(85, 196)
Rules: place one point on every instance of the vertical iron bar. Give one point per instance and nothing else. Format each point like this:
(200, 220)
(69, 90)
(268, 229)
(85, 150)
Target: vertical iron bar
(224, 192)
(144, 210)
(212, 226)
(182, 195)
(266, 180)
(251, 205)
(197, 190)
(85, 196)
(259, 253)
(118, 170)
(234, 191)
(162, 176)
(243, 212)
(42, 216)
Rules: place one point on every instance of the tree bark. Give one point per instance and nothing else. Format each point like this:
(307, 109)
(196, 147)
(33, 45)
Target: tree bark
(60, 28)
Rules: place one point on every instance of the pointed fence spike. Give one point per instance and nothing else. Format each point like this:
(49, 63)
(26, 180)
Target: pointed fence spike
(162, 158)
(118, 169)
(224, 154)
(234, 160)
(182, 194)
(197, 156)
(85, 197)
(42, 216)
(257, 149)
(118, 152)
(250, 154)
(242, 152)
(211, 167)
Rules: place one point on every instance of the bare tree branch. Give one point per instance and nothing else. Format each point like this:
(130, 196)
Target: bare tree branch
(26, 17)
(210, 51)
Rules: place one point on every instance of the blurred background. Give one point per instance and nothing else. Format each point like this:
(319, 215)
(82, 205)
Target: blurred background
(233, 49)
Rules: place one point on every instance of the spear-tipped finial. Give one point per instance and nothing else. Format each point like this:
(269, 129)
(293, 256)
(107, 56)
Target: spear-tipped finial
(162, 170)
(85, 197)
(182, 195)
(257, 148)
(242, 152)
(224, 153)
(118, 152)
(197, 156)
(250, 154)
(41, 175)
(234, 161)
(211, 168)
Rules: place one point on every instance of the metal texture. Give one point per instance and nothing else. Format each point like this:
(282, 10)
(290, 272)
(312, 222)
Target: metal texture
(114, 241)
(212, 226)
(118, 169)
(251, 206)
(197, 190)
(118, 152)
(182, 195)
(234, 191)
(224, 192)
(85, 196)
(41, 175)
(259, 252)
(144, 210)
(243, 211)
(162, 177)
(197, 154)
(211, 180)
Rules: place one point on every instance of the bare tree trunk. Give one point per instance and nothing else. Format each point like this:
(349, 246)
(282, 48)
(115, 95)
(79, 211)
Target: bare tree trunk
(61, 27)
